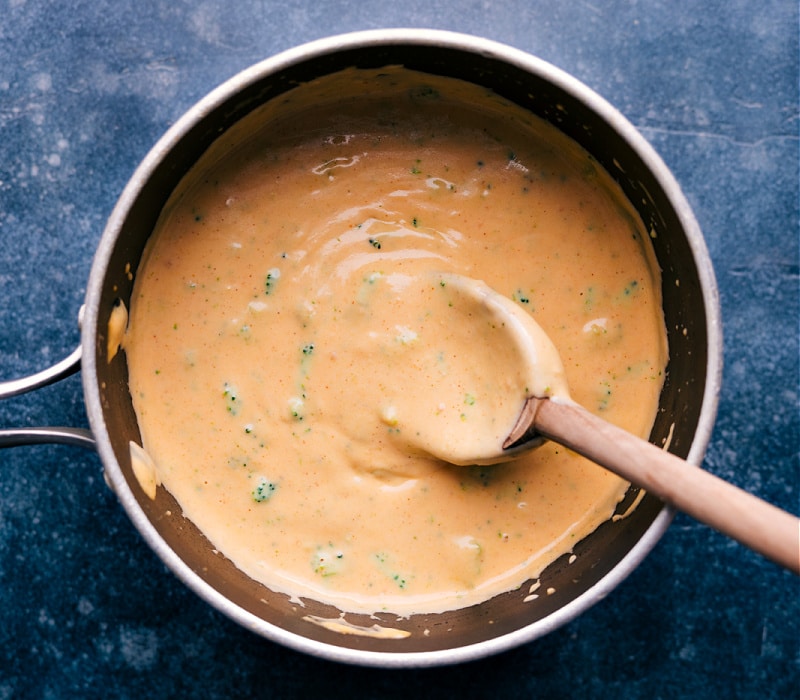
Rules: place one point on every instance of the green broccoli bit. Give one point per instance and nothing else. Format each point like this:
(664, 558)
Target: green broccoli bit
(231, 398)
(264, 489)
(271, 280)
(327, 560)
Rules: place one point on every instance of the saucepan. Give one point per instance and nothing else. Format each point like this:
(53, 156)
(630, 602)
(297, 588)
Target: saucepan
(688, 401)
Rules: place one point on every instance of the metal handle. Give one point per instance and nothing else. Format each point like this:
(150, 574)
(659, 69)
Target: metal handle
(60, 370)
(35, 436)
(13, 437)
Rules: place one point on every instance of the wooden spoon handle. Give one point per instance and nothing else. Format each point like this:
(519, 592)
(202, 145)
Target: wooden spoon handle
(754, 523)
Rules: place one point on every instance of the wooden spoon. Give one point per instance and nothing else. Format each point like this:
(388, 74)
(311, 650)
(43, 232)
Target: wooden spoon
(754, 523)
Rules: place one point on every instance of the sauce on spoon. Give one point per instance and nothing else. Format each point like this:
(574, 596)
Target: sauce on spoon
(473, 358)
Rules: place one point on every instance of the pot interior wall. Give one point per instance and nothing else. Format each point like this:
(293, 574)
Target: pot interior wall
(681, 400)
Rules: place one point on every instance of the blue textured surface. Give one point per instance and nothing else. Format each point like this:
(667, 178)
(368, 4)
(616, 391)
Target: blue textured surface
(86, 610)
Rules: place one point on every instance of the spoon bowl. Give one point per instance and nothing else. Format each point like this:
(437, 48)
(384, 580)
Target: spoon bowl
(510, 359)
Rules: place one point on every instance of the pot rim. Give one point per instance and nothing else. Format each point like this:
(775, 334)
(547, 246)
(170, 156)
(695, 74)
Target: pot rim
(274, 65)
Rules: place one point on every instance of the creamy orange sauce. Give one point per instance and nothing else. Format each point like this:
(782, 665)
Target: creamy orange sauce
(275, 338)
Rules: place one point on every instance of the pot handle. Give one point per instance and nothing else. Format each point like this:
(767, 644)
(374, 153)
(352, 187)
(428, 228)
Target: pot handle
(68, 366)
(81, 437)
(33, 436)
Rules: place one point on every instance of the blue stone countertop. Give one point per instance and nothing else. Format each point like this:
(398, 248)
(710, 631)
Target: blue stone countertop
(86, 88)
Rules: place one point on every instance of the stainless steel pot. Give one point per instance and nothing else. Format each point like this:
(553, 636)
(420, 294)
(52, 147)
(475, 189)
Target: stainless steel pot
(687, 405)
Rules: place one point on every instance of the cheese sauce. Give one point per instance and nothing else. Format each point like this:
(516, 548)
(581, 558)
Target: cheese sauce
(272, 324)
